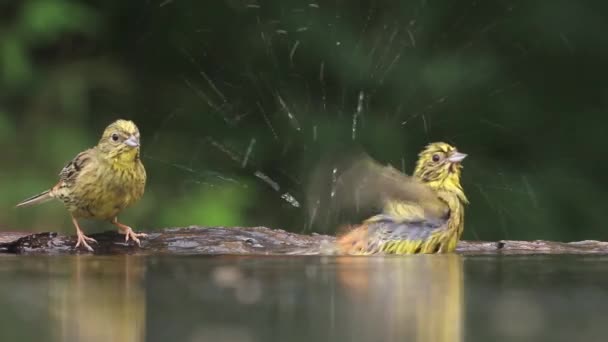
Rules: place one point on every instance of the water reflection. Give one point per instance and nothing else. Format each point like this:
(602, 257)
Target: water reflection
(97, 298)
(417, 298)
(198, 298)
(413, 298)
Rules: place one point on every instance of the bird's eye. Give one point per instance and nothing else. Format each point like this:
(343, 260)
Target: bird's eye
(115, 137)
(436, 157)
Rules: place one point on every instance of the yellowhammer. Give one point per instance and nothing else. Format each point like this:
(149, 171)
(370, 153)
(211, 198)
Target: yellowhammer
(101, 181)
(419, 214)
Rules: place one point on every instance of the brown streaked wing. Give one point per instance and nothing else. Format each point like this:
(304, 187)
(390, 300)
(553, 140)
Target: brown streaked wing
(361, 183)
(378, 183)
(73, 168)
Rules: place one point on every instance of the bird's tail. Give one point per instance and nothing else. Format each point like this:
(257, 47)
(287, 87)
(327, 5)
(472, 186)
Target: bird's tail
(40, 198)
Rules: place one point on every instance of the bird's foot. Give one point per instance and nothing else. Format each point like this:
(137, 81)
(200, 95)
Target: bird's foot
(130, 234)
(82, 240)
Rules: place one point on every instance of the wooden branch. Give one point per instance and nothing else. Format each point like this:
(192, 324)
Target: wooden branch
(533, 247)
(252, 241)
(183, 240)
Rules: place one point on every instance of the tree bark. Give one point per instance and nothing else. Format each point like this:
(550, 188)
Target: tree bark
(252, 241)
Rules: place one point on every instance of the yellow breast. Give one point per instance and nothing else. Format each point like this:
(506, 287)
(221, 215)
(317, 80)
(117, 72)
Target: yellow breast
(102, 193)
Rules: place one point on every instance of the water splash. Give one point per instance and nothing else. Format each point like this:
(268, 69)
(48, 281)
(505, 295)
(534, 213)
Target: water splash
(274, 185)
(248, 152)
(357, 114)
(292, 119)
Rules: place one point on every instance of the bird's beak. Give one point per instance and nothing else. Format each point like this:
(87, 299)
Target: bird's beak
(456, 157)
(133, 141)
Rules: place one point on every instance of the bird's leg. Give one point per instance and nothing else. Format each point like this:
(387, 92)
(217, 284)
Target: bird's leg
(128, 232)
(82, 239)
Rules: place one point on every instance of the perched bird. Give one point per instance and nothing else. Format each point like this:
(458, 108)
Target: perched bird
(419, 214)
(101, 181)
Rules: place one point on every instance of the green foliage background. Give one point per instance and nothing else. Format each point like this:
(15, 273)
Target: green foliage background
(519, 85)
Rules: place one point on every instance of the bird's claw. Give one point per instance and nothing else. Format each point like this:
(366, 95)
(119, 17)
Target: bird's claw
(82, 240)
(130, 234)
(89, 239)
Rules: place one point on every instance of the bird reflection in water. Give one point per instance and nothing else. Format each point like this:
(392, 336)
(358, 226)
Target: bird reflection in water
(99, 299)
(414, 298)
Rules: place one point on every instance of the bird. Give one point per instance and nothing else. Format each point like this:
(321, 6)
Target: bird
(101, 181)
(422, 213)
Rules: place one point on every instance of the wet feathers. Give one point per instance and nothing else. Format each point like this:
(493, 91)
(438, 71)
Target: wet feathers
(423, 213)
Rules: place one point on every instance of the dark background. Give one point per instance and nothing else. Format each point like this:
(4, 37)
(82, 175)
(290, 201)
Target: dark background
(230, 93)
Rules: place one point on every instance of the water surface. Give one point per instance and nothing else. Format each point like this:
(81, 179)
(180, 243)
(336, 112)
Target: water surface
(201, 298)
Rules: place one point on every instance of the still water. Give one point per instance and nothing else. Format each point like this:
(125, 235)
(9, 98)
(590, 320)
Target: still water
(201, 298)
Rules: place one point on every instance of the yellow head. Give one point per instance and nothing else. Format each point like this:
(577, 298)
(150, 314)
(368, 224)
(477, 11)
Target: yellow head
(439, 166)
(120, 141)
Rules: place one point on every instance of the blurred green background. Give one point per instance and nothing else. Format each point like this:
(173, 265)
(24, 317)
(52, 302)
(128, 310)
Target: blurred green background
(237, 99)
